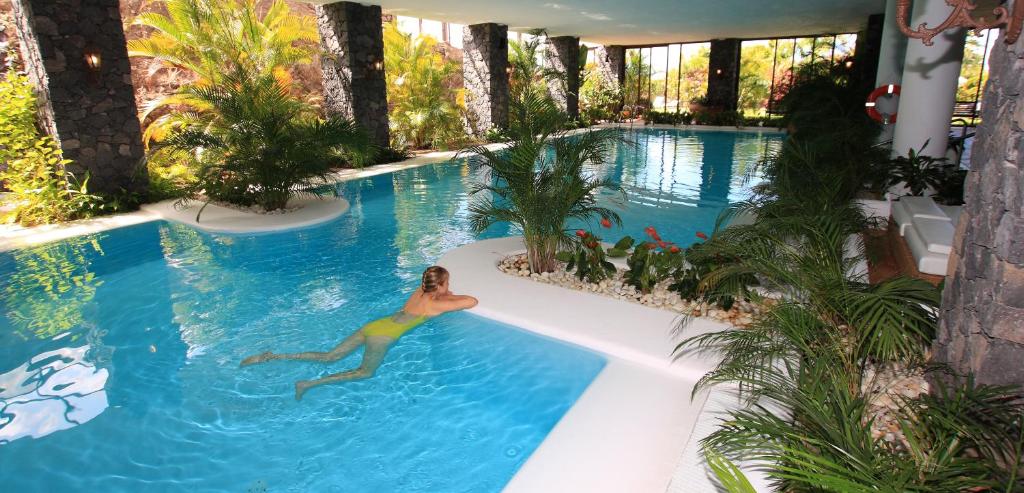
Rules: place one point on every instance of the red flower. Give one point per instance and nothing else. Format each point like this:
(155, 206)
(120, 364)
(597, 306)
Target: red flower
(581, 233)
(606, 222)
(702, 235)
(649, 230)
(650, 246)
(592, 245)
(662, 244)
(674, 249)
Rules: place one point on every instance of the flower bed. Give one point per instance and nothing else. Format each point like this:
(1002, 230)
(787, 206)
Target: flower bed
(741, 314)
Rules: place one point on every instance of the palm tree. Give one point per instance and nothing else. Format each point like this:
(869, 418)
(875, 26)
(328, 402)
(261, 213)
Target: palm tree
(260, 145)
(539, 181)
(528, 70)
(211, 38)
(425, 109)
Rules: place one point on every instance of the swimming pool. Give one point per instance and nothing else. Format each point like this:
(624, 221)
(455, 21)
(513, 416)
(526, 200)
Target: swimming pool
(119, 351)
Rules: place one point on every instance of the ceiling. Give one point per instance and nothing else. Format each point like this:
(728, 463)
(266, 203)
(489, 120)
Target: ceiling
(637, 22)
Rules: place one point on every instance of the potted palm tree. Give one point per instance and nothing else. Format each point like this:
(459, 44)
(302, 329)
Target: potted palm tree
(539, 181)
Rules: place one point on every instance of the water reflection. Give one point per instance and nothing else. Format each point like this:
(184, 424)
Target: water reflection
(48, 287)
(53, 391)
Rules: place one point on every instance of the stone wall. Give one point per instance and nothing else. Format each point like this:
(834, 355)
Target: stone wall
(352, 39)
(611, 65)
(724, 74)
(485, 76)
(91, 113)
(563, 54)
(866, 53)
(982, 317)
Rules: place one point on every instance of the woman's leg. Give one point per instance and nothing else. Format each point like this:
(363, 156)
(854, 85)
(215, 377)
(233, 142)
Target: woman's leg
(350, 344)
(376, 348)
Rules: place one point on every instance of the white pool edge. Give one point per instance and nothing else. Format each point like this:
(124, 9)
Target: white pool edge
(633, 429)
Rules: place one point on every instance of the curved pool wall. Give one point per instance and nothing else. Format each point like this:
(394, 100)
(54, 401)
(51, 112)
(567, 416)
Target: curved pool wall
(119, 350)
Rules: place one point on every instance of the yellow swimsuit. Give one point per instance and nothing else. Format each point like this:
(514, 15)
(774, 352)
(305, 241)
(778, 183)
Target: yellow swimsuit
(393, 326)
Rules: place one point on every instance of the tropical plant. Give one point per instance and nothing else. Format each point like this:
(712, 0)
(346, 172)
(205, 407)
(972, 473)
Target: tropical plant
(803, 365)
(212, 39)
(598, 102)
(652, 262)
(587, 258)
(669, 118)
(950, 187)
(528, 73)
(688, 278)
(917, 172)
(41, 190)
(422, 95)
(540, 180)
(260, 145)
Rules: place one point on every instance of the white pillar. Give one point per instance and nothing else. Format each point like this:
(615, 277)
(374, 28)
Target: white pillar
(891, 54)
(930, 78)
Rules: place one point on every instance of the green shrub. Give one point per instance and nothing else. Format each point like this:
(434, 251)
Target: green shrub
(669, 118)
(652, 262)
(587, 258)
(716, 117)
(31, 165)
(597, 102)
(425, 108)
(917, 172)
(258, 144)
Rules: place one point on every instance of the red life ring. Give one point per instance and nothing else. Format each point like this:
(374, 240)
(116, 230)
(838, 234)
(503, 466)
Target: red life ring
(871, 105)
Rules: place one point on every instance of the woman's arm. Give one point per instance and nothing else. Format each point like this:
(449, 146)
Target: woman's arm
(455, 302)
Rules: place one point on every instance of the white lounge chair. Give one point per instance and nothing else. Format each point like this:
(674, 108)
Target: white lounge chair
(906, 209)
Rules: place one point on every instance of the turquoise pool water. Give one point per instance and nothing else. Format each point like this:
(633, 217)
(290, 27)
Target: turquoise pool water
(119, 351)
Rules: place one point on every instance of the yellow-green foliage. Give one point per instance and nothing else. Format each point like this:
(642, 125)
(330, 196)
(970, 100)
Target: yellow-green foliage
(54, 287)
(31, 165)
(426, 109)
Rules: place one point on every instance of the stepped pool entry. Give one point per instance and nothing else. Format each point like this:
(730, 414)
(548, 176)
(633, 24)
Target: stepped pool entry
(119, 351)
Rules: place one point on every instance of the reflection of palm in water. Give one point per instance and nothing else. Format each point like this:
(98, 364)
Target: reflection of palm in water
(54, 391)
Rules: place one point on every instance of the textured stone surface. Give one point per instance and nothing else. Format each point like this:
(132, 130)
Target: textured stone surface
(352, 39)
(866, 53)
(982, 318)
(92, 114)
(724, 74)
(611, 65)
(485, 76)
(562, 53)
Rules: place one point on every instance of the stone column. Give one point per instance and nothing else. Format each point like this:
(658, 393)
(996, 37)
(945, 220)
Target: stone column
(866, 53)
(352, 39)
(611, 65)
(724, 74)
(892, 53)
(563, 54)
(90, 112)
(930, 78)
(485, 76)
(981, 326)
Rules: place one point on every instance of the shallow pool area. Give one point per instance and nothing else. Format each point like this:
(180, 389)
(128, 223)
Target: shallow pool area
(119, 351)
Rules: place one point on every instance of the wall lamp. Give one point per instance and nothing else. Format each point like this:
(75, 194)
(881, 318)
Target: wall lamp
(92, 58)
(962, 18)
(93, 62)
(378, 65)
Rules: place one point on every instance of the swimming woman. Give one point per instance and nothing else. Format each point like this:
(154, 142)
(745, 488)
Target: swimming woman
(432, 298)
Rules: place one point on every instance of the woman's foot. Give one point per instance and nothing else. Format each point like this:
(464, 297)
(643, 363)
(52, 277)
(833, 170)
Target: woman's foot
(257, 358)
(300, 388)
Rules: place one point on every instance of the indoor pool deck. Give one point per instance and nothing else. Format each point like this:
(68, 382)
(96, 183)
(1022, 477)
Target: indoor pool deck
(635, 428)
